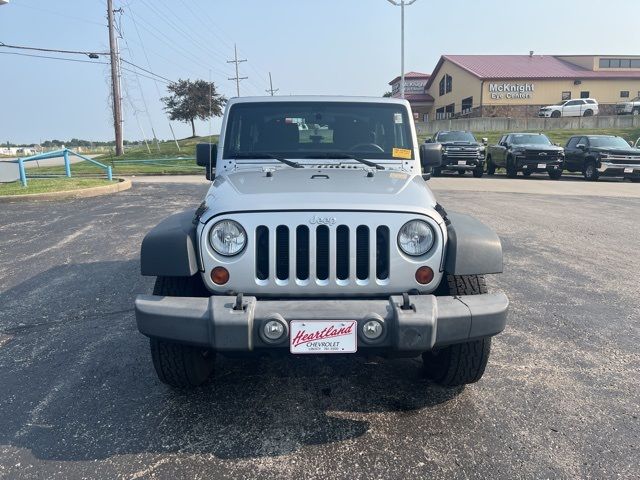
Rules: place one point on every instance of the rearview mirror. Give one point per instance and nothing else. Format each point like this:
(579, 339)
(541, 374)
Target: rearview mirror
(430, 156)
(581, 146)
(485, 140)
(206, 155)
(631, 143)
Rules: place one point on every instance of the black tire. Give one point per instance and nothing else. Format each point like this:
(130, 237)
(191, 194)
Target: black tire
(590, 171)
(526, 173)
(555, 174)
(491, 167)
(555, 114)
(477, 172)
(635, 180)
(512, 171)
(461, 363)
(461, 172)
(436, 172)
(588, 113)
(181, 366)
(178, 365)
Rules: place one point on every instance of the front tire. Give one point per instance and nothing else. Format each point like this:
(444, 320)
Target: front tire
(477, 172)
(461, 172)
(436, 172)
(555, 114)
(512, 171)
(591, 172)
(555, 174)
(588, 113)
(461, 363)
(491, 167)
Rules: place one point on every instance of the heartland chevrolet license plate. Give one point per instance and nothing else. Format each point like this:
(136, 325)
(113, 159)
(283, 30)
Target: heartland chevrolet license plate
(462, 162)
(628, 170)
(323, 336)
(542, 165)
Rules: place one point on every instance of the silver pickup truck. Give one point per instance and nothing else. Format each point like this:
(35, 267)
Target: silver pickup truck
(320, 240)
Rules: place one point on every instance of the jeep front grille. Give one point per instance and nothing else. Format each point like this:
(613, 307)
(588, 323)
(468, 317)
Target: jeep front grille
(323, 251)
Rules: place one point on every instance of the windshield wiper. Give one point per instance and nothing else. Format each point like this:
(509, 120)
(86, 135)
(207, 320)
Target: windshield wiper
(258, 156)
(346, 156)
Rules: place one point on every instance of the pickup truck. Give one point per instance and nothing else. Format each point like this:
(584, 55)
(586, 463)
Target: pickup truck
(598, 156)
(461, 152)
(632, 107)
(320, 244)
(527, 153)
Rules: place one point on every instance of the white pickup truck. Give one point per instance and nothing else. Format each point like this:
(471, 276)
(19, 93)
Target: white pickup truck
(632, 107)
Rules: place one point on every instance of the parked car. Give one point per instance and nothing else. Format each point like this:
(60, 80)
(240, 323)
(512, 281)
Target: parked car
(581, 107)
(602, 155)
(632, 107)
(334, 247)
(527, 153)
(637, 144)
(461, 152)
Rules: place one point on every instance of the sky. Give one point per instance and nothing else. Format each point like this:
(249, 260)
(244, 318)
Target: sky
(335, 47)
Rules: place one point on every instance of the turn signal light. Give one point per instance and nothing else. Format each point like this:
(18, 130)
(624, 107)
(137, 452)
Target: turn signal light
(424, 275)
(219, 275)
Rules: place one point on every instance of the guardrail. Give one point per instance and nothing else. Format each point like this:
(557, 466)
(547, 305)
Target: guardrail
(64, 153)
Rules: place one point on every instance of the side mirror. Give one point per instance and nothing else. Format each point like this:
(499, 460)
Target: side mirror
(631, 143)
(485, 141)
(430, 156)
(581, 146)
(428, 140)
(206, 155)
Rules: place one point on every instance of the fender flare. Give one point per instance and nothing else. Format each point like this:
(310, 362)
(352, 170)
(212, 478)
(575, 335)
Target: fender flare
(169, 249)
(472, 247)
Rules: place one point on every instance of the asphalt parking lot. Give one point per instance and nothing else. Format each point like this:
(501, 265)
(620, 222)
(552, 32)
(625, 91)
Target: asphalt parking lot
(79, 397)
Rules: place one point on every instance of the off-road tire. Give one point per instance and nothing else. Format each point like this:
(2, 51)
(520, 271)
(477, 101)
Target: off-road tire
(181, 366)
(555, 174)
(590, 171)
(461, 363)
(178, 365)
(512, 171)
(491, 167)
(477, 172)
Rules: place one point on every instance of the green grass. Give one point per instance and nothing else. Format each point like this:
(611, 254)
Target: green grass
(42, 185)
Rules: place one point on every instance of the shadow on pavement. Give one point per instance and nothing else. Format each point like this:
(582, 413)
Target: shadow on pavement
(78, 384)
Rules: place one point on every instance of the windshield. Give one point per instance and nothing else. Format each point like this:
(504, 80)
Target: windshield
(319, 130)
(444, 137)
(530, 139)
(609, 142)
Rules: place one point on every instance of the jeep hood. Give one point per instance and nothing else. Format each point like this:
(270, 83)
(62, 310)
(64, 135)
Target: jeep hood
(319, 189)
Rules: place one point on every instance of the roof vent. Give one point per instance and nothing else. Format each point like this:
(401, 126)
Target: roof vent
(531, 53)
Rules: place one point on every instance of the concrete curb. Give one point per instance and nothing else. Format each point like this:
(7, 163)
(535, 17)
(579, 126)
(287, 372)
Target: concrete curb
(123, 184)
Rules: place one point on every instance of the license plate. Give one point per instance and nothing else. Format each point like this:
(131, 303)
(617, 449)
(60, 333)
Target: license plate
(462, 162)
(542, 165)
(323, 336)
(628, 170)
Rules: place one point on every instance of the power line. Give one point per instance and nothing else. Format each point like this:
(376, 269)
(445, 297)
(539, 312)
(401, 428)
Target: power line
(237, 78)
(145, 70)
(53, 50)
(53, 58)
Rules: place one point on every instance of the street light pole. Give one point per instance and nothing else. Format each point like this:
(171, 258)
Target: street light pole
(401, 4)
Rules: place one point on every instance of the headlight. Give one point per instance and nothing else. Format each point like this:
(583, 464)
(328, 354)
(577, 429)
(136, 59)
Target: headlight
(227, 238)
(416, 238)
(517, 151)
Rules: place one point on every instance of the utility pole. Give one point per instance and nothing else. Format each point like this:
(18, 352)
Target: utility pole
(237, 78)
(271, 90)
(115, 81)
(402, 4)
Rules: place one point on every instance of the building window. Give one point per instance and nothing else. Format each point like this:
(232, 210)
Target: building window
(440, 113)
(584, 94)
(442, 86)
(566, 96)
(624, 94)
(449, 83)
(467, 105)
(619, 63)
(449, 110)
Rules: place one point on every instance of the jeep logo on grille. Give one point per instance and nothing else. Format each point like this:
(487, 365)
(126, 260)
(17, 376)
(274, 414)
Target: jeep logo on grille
(322, 220)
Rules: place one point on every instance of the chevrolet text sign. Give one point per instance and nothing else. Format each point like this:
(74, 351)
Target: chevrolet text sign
(511, 90)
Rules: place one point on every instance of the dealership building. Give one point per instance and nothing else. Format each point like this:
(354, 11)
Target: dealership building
(518, 85)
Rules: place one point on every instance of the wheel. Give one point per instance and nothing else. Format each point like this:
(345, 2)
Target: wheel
(491, 167)
(588, 113)
(461, 363)
(512, 171)
(590, 172)
(461, 172)
(555, 114)
(178, 365)
(436, 172)
(526, 173)
(477, 172)
(635, 180)
(555, 174)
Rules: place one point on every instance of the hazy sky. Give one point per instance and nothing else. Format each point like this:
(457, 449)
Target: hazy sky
(345, 47)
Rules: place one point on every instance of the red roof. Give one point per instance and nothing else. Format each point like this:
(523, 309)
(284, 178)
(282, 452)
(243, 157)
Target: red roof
(525, 67)
(411, 75)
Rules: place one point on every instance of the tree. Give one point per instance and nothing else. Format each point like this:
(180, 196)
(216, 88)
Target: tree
(387, 95)
(190, 100)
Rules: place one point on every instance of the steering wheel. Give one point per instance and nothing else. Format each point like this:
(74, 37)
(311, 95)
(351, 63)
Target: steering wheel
(368, 146)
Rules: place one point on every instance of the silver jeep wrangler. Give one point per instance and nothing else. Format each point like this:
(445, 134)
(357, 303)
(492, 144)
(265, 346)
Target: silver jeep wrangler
(319, 235)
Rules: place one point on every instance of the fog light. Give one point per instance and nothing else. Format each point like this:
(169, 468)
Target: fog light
(424, 275)
(372, 330)
(219, 275)
(273, 330)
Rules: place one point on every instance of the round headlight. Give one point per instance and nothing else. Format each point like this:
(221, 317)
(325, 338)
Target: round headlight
(416, 237)
(227, 238)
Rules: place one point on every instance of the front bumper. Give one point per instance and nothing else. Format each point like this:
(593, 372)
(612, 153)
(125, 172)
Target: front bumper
(612, 169)
(462, 163)
(530, 165)
(428, 323)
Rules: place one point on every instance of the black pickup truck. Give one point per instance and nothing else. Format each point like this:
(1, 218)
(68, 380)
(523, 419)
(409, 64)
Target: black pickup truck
(527, 153)
(461, 152)
(602, 155)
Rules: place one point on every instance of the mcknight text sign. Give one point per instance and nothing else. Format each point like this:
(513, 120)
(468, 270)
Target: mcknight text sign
(511, 90)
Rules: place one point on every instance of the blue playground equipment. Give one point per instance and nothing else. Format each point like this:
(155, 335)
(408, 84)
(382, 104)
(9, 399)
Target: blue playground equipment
(65, 152)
